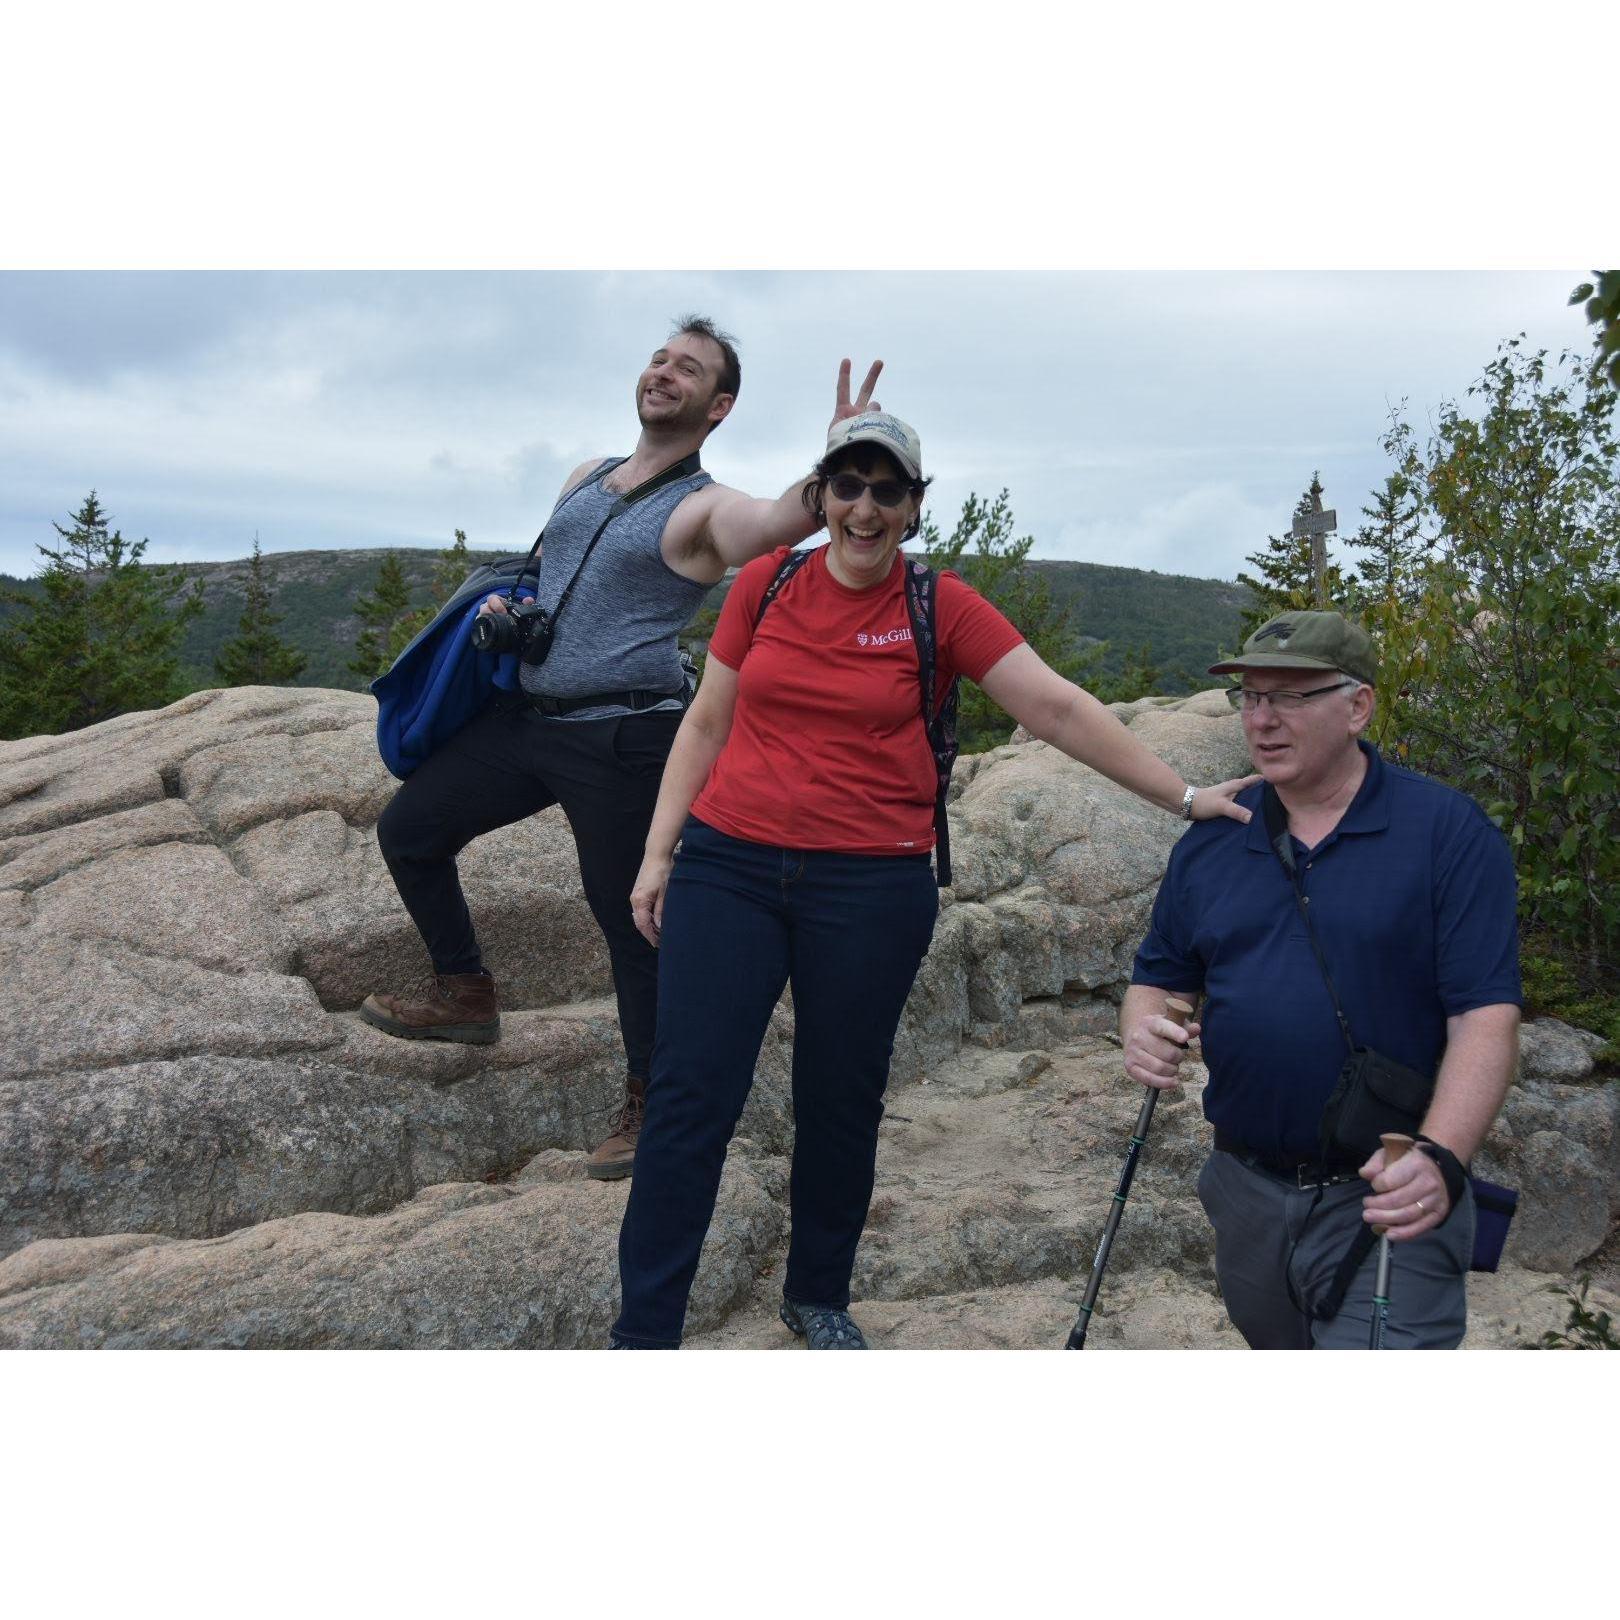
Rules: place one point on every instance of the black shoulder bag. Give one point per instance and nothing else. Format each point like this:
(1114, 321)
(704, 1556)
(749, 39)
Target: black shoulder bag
(1374, 1093)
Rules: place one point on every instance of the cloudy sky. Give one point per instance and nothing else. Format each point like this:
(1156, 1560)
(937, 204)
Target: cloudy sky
(1162, 420)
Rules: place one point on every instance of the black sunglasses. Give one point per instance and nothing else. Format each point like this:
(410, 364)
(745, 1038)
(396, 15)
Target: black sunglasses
(886, 491)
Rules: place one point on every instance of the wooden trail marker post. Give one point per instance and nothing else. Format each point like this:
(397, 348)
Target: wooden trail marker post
(1178, 1012)
(1318, 525)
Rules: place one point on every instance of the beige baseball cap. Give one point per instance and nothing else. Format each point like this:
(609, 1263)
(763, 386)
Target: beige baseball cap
(879, 428)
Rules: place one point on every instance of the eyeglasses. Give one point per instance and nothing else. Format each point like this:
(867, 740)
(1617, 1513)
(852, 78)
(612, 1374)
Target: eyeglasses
(886, 491)
(1281, 702)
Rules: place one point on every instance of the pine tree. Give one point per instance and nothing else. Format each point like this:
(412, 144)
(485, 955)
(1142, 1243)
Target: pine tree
(454, 566)
(256, 655)
(1392, 538)
(380, 615)
(1139, 677)
(994, 567)
(101, 640)
(1286, 573)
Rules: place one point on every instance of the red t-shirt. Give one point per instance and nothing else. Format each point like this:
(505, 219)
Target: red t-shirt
(827, 748)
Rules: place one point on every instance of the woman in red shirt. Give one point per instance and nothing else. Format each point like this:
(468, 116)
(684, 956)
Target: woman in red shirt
(801, 790)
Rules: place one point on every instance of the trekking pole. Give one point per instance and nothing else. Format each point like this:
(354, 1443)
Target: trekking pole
(1395, 1147)
(1178, 1012)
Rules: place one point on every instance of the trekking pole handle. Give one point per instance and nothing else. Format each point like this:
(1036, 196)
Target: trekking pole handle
(1396, 1147)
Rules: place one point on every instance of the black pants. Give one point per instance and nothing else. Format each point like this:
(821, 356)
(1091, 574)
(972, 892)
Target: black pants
(506, 765)
(741, 920)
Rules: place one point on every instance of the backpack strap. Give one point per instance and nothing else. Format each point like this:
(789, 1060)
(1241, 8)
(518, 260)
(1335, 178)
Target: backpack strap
(791, 564)
(939, 721)
(683, 468)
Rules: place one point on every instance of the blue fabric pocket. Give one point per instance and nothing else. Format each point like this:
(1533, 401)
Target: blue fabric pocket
(1493, 1214)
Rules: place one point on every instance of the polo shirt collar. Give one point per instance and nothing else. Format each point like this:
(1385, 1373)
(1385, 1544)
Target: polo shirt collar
(1368, 812)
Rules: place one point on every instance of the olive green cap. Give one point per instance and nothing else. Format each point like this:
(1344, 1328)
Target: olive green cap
(1307, 640)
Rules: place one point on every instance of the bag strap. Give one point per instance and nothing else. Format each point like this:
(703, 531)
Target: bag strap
(790, 565)
(595, 476)
(938, 718)
(1327, 1307)
(939, 725)
(684, 468)
(1282, 844)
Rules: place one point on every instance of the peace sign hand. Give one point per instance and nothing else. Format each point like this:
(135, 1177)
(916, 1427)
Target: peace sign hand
(863, 400)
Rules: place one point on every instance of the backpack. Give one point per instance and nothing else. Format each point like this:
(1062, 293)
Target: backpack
(939, 722)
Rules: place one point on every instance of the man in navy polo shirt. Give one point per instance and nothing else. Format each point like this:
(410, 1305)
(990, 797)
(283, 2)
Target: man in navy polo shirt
(1411, 893)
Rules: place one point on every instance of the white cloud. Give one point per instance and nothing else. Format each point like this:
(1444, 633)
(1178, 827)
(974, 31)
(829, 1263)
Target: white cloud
(1167, 418)
(1205, 531)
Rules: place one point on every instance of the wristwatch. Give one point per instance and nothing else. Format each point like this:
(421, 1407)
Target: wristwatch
(1186, 803)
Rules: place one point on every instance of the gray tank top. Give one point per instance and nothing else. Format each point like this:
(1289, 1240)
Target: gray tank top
(617, 633)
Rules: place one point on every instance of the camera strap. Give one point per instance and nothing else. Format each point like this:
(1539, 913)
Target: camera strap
(528, 562)
(684, 468)
(1282, 844)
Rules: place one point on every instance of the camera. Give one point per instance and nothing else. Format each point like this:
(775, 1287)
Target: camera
(525, 629)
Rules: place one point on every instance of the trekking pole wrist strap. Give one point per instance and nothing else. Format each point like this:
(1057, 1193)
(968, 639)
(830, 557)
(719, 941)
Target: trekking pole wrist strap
(1449, 1165)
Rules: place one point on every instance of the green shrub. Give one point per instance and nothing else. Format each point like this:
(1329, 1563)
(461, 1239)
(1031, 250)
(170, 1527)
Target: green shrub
(1585, 1329)
(1502, 674)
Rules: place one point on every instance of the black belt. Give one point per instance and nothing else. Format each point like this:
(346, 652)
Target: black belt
(635, 701)
(1301, 1169)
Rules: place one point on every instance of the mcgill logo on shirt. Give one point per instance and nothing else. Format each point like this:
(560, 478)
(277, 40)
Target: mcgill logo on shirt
(886, 639)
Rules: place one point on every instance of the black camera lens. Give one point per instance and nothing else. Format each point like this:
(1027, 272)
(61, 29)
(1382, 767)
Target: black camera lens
(494, 632)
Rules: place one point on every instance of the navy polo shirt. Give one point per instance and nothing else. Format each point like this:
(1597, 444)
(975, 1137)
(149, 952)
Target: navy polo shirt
(1412, 896)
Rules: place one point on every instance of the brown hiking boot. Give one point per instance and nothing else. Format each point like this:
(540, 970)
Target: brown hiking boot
(444, 1007)
(616, 1156)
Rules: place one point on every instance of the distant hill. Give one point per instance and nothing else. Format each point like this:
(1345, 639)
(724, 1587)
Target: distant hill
(1187, 622)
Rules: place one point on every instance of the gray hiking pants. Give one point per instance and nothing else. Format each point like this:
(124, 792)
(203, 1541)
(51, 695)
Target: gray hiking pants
(1262, 1237)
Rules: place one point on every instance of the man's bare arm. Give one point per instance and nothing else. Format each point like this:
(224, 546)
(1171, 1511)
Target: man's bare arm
(742, 527)
(1482, 1049)
(737, 527)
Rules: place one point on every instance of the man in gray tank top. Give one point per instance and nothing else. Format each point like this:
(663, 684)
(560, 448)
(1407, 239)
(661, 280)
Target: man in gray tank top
(593, 724)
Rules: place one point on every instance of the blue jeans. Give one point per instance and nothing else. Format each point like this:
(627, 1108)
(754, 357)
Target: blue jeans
(741, 920)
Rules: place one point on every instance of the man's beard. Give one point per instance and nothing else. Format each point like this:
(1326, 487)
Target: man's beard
(691, 415)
